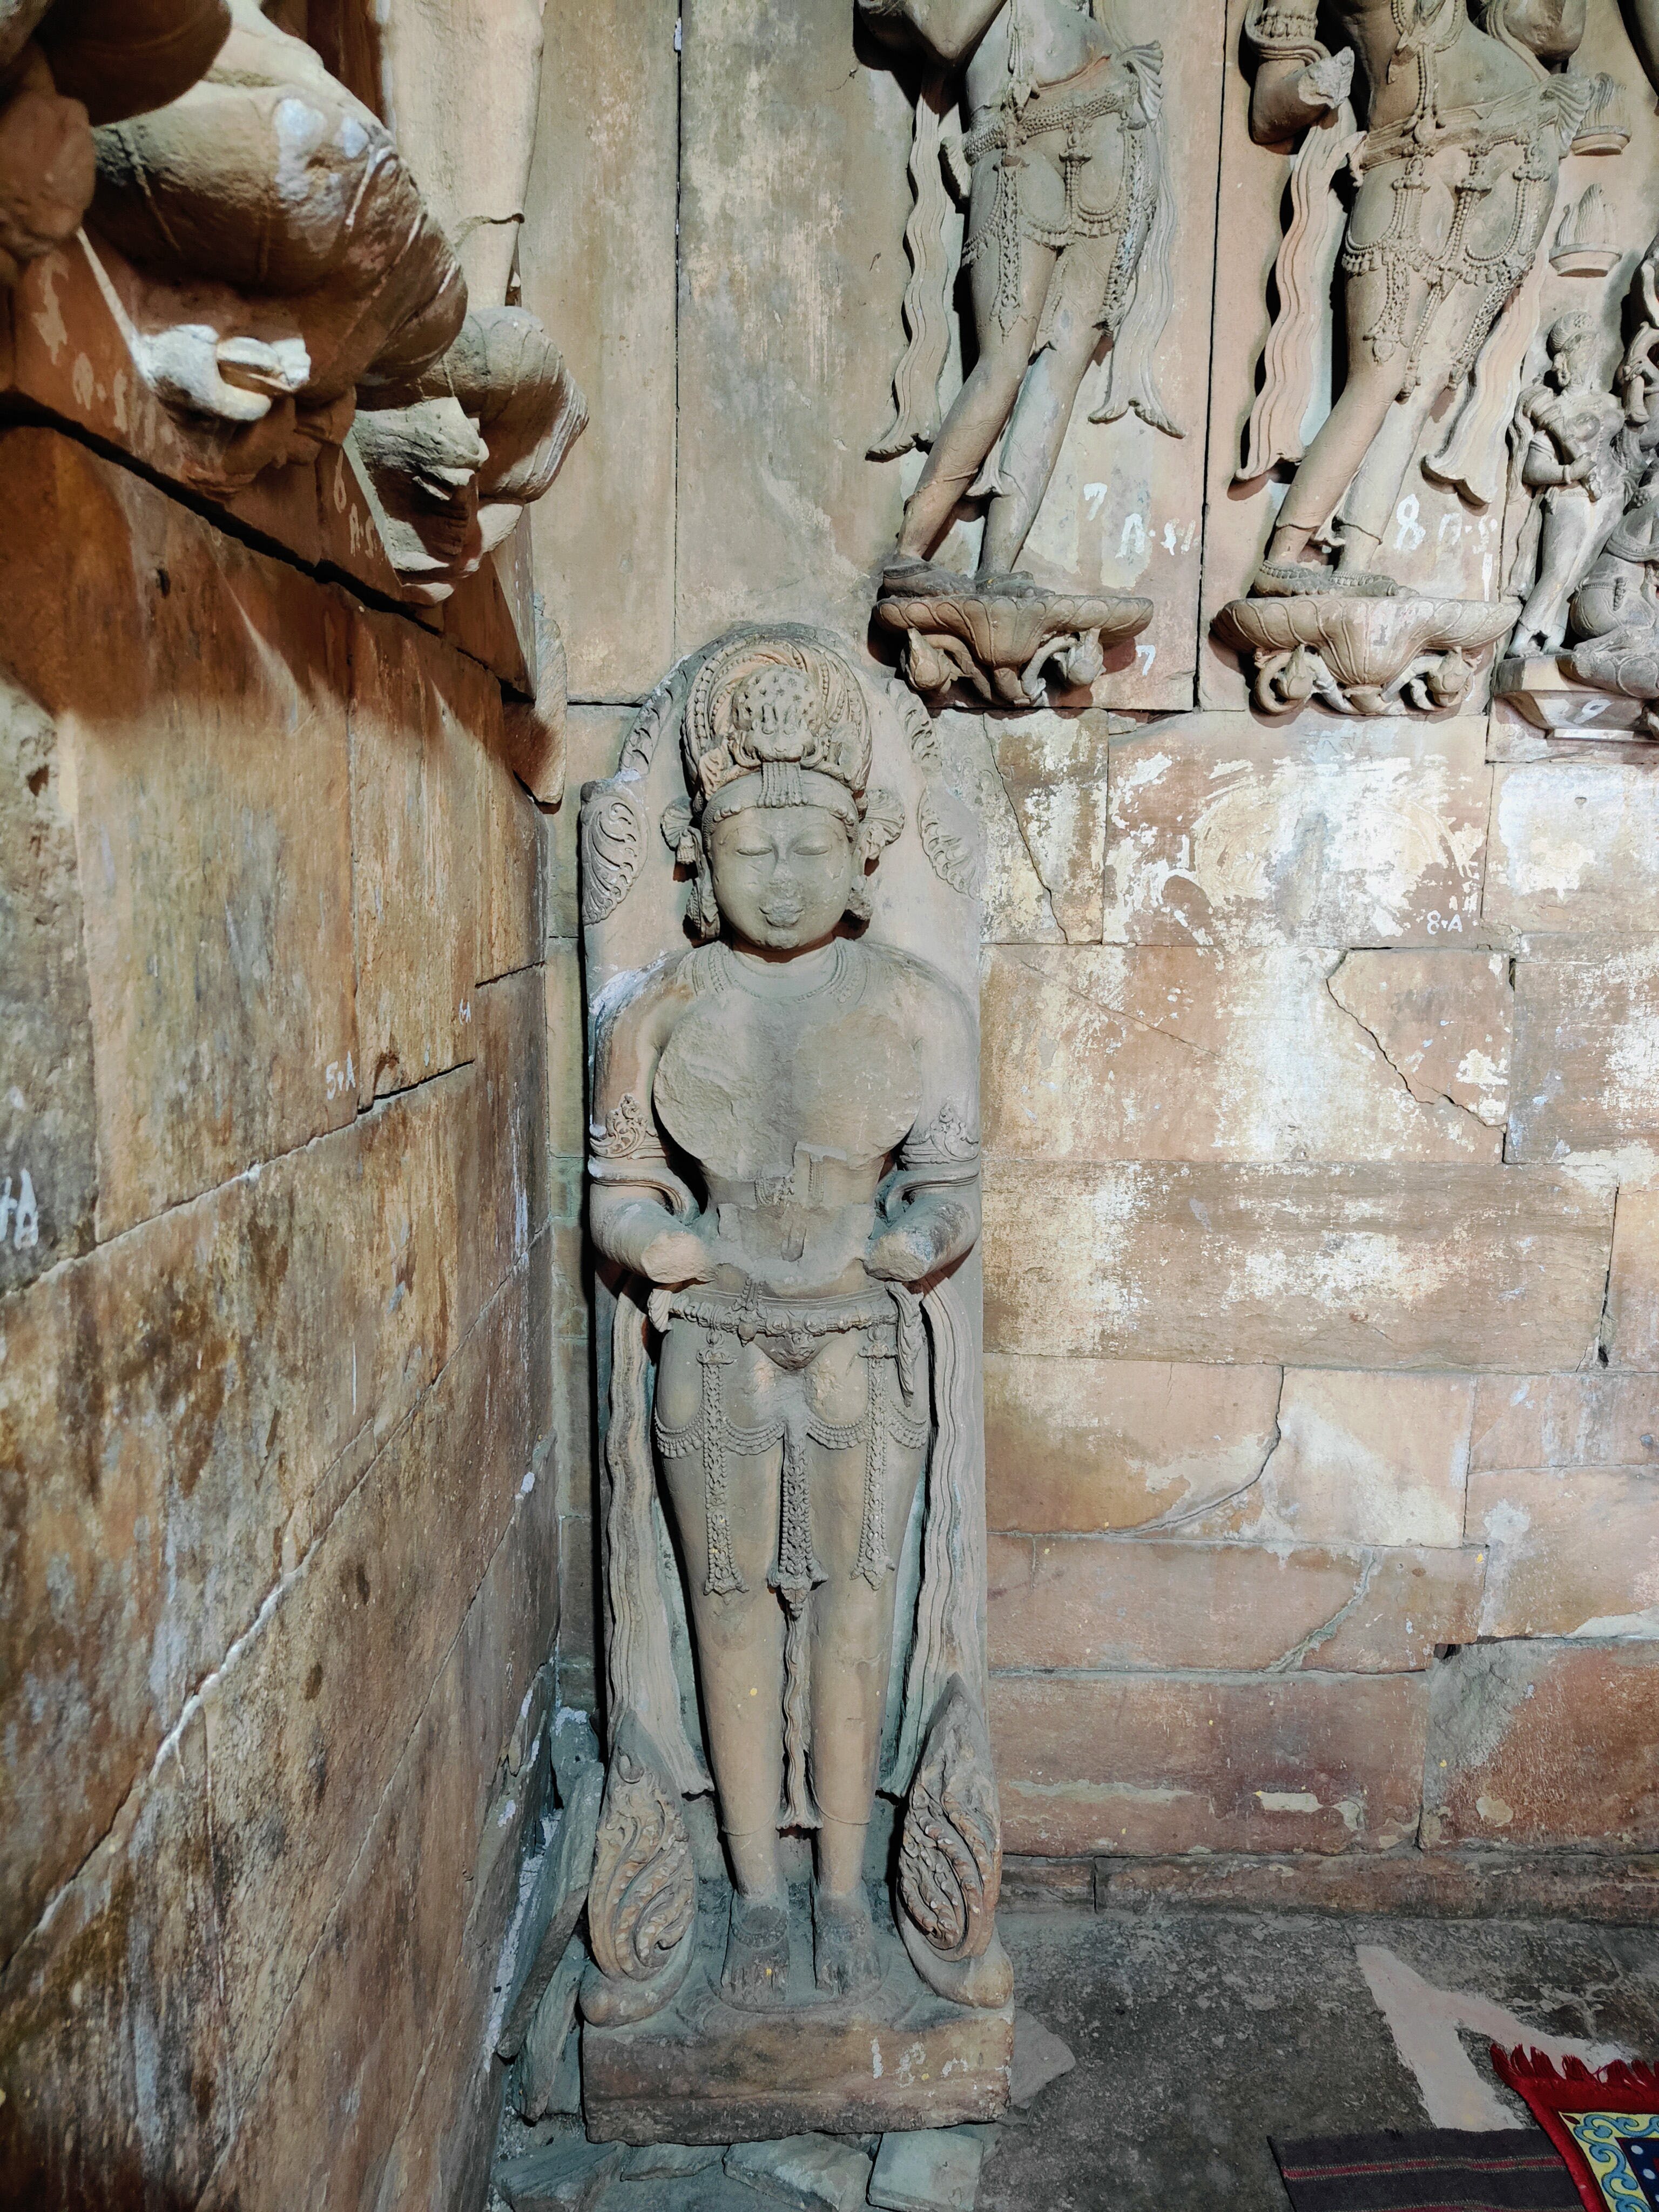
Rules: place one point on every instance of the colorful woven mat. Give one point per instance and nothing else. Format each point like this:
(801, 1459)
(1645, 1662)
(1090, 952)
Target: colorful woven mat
(1605, 2124)
(1440, 2170)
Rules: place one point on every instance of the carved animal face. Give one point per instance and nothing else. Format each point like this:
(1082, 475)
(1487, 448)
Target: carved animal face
(782, 874)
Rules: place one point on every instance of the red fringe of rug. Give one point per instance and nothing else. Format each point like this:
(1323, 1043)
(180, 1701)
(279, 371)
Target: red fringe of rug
(1572, 2088)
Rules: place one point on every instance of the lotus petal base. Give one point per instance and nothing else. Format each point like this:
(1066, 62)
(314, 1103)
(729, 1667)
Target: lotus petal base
(1000, 636)
(1363, 656)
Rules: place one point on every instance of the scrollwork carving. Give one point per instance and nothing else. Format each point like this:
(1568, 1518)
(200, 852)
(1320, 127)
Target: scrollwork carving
(612, 846)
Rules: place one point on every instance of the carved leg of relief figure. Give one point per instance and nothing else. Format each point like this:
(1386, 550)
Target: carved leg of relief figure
(981, 410)
(1344, 438)
(1036, 430)
(739, 1640)
(851, 1650)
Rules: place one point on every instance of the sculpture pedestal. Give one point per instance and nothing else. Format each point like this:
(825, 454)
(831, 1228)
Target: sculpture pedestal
(1541, 689)
(703, 2071)
(1363, 655)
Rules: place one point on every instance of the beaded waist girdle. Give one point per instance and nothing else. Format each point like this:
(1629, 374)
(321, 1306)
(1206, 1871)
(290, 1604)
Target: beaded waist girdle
(791, 1333)
(1502, 144)
(1071, 107)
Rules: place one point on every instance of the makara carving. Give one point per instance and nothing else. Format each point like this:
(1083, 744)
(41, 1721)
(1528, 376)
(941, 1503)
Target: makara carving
(1454, 179)
(1070, 224)
(278, 278)
(784, 1186)
(1585, 652)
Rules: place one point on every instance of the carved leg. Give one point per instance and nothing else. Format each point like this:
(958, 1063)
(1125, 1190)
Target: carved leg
(981, 410)
(1036, 431)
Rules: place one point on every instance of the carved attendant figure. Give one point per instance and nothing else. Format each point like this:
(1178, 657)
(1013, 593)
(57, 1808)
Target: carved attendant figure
(786, 1145)
(1456, 177)
(1566, 439)
(1068, 233)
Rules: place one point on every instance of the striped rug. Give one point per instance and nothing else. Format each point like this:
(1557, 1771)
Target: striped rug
(1442, 2169)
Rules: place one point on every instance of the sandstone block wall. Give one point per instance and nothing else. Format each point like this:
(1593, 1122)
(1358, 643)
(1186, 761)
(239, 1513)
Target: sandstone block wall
(279, 1579)
(1320, 1055)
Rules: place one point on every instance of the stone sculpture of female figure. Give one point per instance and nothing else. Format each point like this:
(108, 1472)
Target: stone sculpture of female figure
(784, 1149)
(1069, 227)
(1454, 182)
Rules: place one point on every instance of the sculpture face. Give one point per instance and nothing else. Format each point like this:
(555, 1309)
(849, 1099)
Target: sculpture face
(782, 875)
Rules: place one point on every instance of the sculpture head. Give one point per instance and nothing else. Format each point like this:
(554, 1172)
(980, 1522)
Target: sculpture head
(1571, 344)
(780, 828)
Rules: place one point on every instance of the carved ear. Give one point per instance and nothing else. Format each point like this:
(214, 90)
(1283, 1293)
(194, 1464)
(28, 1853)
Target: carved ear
(677, 833)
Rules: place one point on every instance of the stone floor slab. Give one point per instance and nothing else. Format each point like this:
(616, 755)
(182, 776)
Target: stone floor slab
(931, 2170)
(817, 2173)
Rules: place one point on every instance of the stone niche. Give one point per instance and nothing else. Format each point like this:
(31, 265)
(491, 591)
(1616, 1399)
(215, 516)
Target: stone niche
(780, 931)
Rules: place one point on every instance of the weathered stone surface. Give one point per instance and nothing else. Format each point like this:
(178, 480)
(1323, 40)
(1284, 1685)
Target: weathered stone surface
(816, 2172)
(1601, 1418)
(555, 1906)
(792, 271)
(931, 2170)
(1121, 1603)
(48, 1116)
(399, 1979)
(566, 1116)
(515, 857)
(664, 2161)
(380, 1599)
(1586, 1052)
(1147, 1763)
(1015, 904)
(113, 2008)
(1471, 1883)
(1040, 2057)
(1224, 834)
(506, 1186)
(703, 2071)
(199, 692)
(1362, 1458)
(1444, 1266)
(1575, 846)
(1632, 1323)
(1539, 1742)
(1053, 769)
(549, 2060)
(1444, 1021)
(566, 2176)
(418, 836)
(182, 1413)
(1571, 1551)
(1166, 1052)
(596, 259)
(1119, 1443)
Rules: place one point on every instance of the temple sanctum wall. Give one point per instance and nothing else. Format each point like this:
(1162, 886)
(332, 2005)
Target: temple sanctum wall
(1318, 1083)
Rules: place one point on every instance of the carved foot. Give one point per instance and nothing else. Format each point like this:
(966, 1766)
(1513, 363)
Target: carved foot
(845, 1958)
(755, 1975)
(1293, 579)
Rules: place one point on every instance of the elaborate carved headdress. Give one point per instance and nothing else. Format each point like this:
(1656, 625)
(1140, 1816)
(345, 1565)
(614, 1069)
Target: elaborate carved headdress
(776, 722)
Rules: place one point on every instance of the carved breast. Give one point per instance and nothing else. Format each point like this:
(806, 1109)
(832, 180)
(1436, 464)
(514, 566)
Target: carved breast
(744, 1080)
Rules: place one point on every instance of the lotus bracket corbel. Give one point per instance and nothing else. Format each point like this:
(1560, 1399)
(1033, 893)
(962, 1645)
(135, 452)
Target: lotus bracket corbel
(1363, 655)
(999, 635)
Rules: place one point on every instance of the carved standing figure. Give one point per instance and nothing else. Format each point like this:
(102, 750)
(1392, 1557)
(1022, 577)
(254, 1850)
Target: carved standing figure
(1566, 441)
(784, 1199)
(1454, 183)
(819, 1096)
(1069, 227)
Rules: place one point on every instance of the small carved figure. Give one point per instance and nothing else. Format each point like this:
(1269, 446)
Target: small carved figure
(1069, 227)
(1586, 650)
(784, 1163)
(1566, 448)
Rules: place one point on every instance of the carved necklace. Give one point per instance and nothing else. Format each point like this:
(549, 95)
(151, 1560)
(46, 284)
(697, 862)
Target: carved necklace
(833, 979)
